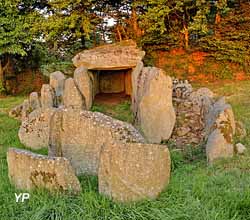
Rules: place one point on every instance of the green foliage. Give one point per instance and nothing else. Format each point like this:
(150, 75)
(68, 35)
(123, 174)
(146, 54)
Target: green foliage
(121, 111)
(15, 24)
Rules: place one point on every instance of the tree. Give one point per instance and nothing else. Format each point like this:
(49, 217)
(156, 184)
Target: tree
(15, 34)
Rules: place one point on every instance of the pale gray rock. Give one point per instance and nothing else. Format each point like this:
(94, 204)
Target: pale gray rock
(81, 134)
(240, 148)
(131, 172)
(118, 56)
(57, 80)
(34, 101)
(28, 171)
(47, 96)
(155, 115)
(220, 129)
(85, 85)
(34, 131)
(72, 98)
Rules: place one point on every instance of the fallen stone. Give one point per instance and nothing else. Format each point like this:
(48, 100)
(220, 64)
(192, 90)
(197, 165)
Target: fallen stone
(47, 96)
(118, 56)
(85, 85)
(79, 136)
(57, 80)
(240, 148)
(28, 171)
(132, 171)
(72, 98)
(34, 131)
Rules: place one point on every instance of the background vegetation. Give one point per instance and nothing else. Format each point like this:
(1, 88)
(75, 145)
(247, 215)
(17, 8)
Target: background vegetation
(44, 35)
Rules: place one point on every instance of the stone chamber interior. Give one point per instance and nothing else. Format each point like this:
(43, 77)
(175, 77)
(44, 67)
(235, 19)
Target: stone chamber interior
(112, 86)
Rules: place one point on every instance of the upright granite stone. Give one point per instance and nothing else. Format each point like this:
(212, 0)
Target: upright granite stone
(155, 112)
(220, 129)
(34, 131)
(57, 80)
(26, 109)
(34, 101)
(28, 171)
(72, 98)
(47, 96)
(119, 56)
(133, 171)
(82, 134)
(136, 96)
(85, 85)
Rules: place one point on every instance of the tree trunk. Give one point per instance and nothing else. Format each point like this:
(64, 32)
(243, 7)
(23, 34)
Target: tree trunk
(2, 74)
(186, 34)
(1, 77)
(119, 35)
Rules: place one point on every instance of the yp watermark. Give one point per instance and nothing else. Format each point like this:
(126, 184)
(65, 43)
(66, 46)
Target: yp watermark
(22, 197)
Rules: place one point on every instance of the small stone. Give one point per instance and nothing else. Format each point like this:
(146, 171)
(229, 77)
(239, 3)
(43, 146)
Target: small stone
(240, 148)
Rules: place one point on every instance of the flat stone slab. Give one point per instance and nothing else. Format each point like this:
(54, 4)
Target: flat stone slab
(35, 129)
(133, 171)
(28, 171)
(118, 56)
(80, 135)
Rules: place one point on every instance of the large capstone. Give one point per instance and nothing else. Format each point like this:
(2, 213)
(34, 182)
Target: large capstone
(131, 171)
(79, 136)
(119, 56)
(28, 171)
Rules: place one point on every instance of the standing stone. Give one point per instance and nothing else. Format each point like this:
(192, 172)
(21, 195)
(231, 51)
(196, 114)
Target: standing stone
(221, 129)
(85, 85)
(156, 115)
(47, 96)
(34, 131)
(34, 101)
(135, 81)
(133, 171)
(83, 133)
(72, 98)
(26, 109)
(28, 171)
(57, 80)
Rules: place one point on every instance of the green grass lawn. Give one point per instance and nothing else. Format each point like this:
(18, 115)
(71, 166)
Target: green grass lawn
(196, 191)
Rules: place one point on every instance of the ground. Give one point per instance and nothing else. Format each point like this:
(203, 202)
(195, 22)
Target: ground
(196, 191)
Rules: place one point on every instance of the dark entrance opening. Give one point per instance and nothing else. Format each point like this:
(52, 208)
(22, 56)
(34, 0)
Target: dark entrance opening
(112, 86)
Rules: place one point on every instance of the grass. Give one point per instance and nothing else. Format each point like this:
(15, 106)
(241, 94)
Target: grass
(196, 191)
